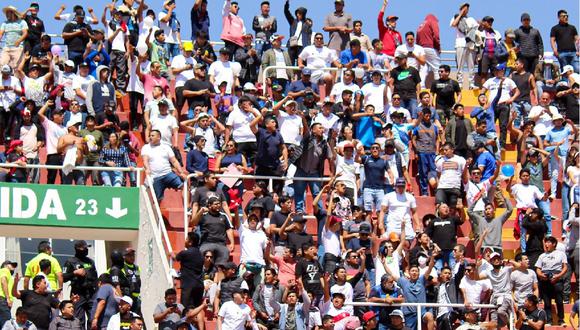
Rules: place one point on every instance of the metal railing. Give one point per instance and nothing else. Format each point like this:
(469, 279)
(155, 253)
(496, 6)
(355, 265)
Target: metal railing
(236, 176)
(421, 305)
(159, 219)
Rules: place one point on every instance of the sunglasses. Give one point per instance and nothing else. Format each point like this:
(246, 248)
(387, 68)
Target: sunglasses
(318, 38)
(396, 98)
(375, 148)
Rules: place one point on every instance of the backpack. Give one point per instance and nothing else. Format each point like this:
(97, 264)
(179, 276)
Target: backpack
(501, 52)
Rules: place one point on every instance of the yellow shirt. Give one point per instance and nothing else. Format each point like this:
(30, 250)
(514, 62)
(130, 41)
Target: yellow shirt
(512, 55)
(5, 272)
(32, 269)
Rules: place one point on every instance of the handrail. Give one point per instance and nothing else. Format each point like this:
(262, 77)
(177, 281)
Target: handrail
(420, 305)
(160, 221)
(239, 176)
(139, 170)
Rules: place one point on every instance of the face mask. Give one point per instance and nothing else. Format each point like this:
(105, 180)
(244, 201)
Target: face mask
(12, 272)
(81, 253)
(496, 267)
(422, 261)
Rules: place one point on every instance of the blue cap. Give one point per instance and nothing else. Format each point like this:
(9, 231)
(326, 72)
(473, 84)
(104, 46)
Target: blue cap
(306, 71)
(500, 66)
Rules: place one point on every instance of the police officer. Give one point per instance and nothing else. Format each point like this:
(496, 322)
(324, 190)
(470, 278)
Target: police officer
(81, 272)
(120, 281)
(133, 274)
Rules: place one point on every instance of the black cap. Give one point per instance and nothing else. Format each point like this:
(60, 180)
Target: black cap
(525, 16)
(228, 265)
(465, 4)
(487, 19)
(85, 64)
(8, 262)
(335, 294)
(257, 205)
(163, 102)
(197, 138)
(364, 228)
(34, 5)
(224, 50)
(81, 244)
(129, 251)
(34, 67)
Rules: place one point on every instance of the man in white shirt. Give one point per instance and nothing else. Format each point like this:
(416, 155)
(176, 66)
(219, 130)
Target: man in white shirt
(182, 68)
(347, 83)
(152, 107)
(118, 39)
(164, 123)
(375, 93)
(170, 26)
(450, 168)
(542, 114)
(328, 120)
(157, 160)
(10, 89)
(238, 128)
(224, 70)
(551, 269)
(318, 56)
(473, 290)
(507, 91)
(465, 49)
(396, 107)
(234, 314)
(524, 280)
(415, 53)
(81, 83)
(399, 206)
(291, 122)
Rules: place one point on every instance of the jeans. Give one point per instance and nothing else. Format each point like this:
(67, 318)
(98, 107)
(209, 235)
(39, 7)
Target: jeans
(135, 99)
(300, 189)
(132, 175)
(554, 166)
(220, 251)
(33, 173)
(445, 258)
(372, 198)
(502, 114)
(522, 109)
(53, 159)
(173, 50)
(169, 180)
(4, 311)
(545, 207)
(565, 200)
(83, 309)
(433, 61)
(119, 64)
(411, 105)
(568, 58)
(523, 232)
(262, 46)
(549, 291)
(76, 176)
(112, 178)
(426, 170)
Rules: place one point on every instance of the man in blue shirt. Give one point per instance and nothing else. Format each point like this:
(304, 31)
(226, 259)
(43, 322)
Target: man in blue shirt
(197, 160)
(270, 147)
(354, 57)
(374, 183)
(297, 89)
(401, 133)
(484, 160)
(558, 137)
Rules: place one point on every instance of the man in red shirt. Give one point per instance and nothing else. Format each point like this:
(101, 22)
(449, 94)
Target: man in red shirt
(388, 34)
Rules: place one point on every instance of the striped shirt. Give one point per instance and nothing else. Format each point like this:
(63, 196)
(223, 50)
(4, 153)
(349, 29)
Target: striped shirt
(120, 156)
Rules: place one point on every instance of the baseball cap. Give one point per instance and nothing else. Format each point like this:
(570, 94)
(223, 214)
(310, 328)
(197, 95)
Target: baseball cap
(510, 33)
(400, 182)
(364, 228)
(487, 19)
(374, 72)
(129, 251)
(567, 68)
(199, 65)
(276, 87)
(525, 16)
(83, 64)
(202, 115)
(307, 71)
(392, 17)
(224, 50)
(188, 46)
(163, 102)
(338, 294)
(401, 55)
(368, 316)
(338, 1)
(127, 299)
(197, 138)
(35, 67)
(276, 37)
(81, 244)
(250, 87)
(6, 68)
(26, 112)
(494, 255)
(289, 102)
(69, 63)
(532, 153)
(399, 313)
(465, 4)
(557, 117)
(348, 145)
(73, 122)
(394, 237)
(500, 66)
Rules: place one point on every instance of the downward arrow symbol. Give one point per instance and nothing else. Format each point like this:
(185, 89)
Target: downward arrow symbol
(116, 212)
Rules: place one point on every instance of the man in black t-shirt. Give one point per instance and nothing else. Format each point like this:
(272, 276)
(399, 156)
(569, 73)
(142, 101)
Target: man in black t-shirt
(406, 82)
(276, 222)
(443, 232)
(309, 272)
(76, 35)
(215, 230)
(563, 40)
(191, 262)
(569, 101)
(208, 190)
(198, 91)
(530, 316)
(445, 90)
(38, 303)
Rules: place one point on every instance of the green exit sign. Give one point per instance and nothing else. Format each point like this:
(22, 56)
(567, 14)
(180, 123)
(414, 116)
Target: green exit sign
(69, 206)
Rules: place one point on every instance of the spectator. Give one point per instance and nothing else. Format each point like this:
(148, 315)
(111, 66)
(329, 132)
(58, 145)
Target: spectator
(164, 123)
(71, 147)
(225, 70)
(275, 56)
(365, 41)
(35, 26)
(551, 268)
(171, 27)
(405, 81)
(388, 34)
(55, 278)
(33, 83)
(450, 168)
(354, 57)
(6, 282)
(265, 27)
(267, 297)
(192, 264)
(415, 54)
(76, 35)
(426, 144)
(531, 44)
(547, 74)
(14, 31)
(234, 314)
(524, 281)
(204, 52)
(530, 316)
(215, 230)
(317, 57)
(526, 84)
(300, 31)
(200, 21)
(249, 60)
(339, 26)
(182, 67)
(20, 321)
(458, 130)
(114, 154)
(168, 313)
(558, 137)
(489, 38)
(157, 160)
(562, 39)
(37, 302)
(100, 93)
(233, 27)
(66, 319)
(229, 284)
(446, 92)
(465, 49)
(39, 53)
(428, 38)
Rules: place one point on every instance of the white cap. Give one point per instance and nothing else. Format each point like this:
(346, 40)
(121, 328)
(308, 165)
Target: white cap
(250, 87)
(557, 116)
(69, 63)
(73, 122)
(289, 102)
(567, 68)
(127, 299)
(6, 68)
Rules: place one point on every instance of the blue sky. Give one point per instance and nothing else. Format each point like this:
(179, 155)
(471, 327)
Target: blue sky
(411, 12)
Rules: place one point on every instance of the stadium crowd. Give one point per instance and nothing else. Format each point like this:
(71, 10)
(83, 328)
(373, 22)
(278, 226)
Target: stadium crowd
(381, 121)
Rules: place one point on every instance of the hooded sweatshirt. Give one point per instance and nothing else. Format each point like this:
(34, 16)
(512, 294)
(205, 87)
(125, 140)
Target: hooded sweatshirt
(428, 33)
(99, 94)
(390, 37)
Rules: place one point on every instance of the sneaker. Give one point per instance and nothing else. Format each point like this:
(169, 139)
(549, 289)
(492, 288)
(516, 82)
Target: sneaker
(563, 324)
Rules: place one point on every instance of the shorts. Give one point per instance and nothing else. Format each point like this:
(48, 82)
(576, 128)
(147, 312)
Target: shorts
(372, 198)
(449, 196)
(319, 75)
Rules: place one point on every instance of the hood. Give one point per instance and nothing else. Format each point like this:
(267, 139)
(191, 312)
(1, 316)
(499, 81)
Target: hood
(99, 69)
(431, 18)
(301, 10)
